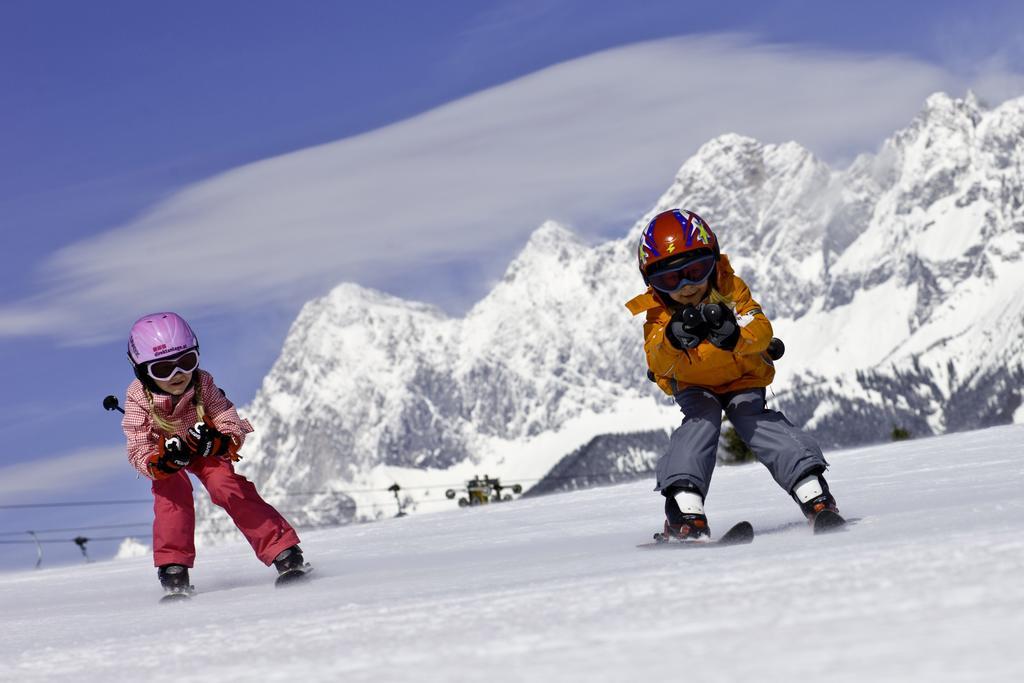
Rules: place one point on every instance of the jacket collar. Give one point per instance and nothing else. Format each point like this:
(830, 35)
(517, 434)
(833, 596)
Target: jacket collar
(649, 299)
(166, 402)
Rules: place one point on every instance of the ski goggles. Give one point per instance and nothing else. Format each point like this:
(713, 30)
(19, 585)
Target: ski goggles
(165, 369)
(693, 272)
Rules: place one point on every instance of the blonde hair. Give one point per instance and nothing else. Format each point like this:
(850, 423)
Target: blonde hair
(167, 426)
(716, 297)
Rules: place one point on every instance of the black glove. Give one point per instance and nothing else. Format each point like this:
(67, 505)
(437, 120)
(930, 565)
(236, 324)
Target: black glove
(172, 456)
(686, 329)
(723, 331)
(204, 440)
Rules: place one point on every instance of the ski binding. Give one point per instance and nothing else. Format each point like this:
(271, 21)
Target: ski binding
(741, 533)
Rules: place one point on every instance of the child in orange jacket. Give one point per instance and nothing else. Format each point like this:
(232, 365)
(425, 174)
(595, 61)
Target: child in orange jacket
(706, 343)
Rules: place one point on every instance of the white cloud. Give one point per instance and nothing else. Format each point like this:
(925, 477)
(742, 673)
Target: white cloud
(71, 472)
(580, 141)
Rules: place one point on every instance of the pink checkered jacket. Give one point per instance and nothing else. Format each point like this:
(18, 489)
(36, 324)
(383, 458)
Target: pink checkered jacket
(143, 436)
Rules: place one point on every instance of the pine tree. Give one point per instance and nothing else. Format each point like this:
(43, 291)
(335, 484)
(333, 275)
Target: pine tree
(900, 434)
(734, 445)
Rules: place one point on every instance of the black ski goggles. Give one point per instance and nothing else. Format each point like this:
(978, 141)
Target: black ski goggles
(165, 369)
(693, 272)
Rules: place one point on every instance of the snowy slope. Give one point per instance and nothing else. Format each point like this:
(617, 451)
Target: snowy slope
(927, 586)
(895, 284)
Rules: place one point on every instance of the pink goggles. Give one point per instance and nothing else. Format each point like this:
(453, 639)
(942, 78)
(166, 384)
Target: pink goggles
(167, 368)
(692, 272)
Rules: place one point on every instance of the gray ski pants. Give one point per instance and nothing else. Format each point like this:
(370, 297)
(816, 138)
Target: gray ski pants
(788, 453)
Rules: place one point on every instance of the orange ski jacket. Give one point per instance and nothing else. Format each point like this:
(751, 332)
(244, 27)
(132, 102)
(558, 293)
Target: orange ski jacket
(708, 366)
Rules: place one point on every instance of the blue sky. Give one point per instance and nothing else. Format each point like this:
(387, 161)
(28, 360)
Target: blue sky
(154, 155)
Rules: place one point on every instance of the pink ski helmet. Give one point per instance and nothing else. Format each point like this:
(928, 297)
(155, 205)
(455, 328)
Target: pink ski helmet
(157, 335)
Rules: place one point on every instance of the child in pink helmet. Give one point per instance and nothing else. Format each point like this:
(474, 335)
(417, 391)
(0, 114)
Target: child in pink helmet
(177, 420)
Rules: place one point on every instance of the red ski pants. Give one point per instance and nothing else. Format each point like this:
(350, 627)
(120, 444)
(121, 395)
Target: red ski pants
(175, 517)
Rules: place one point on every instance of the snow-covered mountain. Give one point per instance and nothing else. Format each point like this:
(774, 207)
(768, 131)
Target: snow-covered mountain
(370, 389)
(925, 587)
(895, 284)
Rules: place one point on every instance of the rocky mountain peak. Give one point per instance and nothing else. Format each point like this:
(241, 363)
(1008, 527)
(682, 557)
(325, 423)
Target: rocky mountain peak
(549, 246)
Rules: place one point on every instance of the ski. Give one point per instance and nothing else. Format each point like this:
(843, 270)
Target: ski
(178, 595)
(741, 533)
(294, 576)
(827, 521)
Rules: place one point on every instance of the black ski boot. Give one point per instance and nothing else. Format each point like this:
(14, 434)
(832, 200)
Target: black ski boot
(288, 559)
(817, 503)
(174, 579)
(689, 524)
(290, 565)
(815, 506)
(812, 495)
(688, 528)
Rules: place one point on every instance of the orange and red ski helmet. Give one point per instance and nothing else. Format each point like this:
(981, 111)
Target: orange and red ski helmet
(673, 237)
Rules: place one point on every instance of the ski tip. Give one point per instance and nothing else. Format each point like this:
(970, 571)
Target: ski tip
(175, 597)
(741, 527)
(828, 521)
(740, 533)
(293, 576)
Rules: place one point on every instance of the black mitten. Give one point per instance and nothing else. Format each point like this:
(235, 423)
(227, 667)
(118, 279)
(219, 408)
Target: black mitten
(723, 331)
(170, 457)
(687, 329)
(204, 440)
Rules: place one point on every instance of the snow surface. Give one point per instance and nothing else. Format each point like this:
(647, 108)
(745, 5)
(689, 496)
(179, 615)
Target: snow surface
(926, 586)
